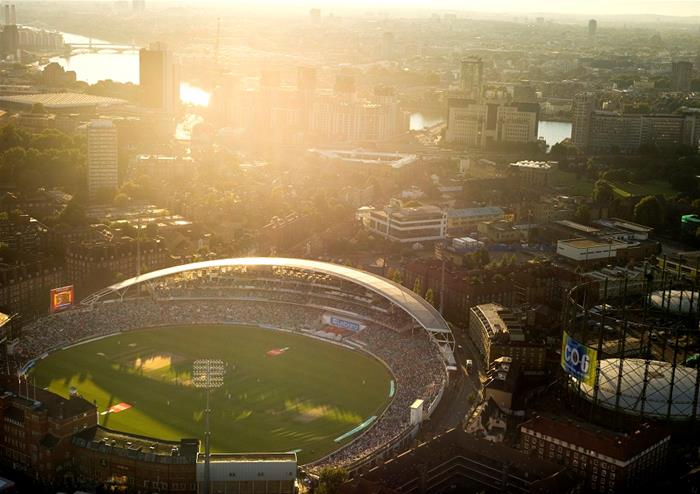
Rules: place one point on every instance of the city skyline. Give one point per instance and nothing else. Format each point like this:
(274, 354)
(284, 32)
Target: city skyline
(576, 7)
(674, 8)
(434, 246)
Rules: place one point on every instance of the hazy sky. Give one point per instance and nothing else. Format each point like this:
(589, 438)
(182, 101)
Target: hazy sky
(589, 7)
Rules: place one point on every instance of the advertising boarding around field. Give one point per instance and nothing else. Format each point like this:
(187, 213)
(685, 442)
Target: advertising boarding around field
(342, 323)
(578, 360)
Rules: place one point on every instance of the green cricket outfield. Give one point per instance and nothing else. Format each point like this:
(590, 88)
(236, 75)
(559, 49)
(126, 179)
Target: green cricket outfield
(281, 392)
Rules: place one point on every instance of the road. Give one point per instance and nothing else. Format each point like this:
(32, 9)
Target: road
(456, 402)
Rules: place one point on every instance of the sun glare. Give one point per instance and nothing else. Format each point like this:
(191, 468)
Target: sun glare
(193, 95)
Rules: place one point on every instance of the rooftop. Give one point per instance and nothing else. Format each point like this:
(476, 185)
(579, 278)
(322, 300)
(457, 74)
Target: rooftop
(248, 457)
(101, 437)
(475, 212)
(498, 320)
(597, 439)
(416, 212)
(38, 399)
(364, 157)
(456, 445)
(616, 223)
(503, 374)
(584, 243)
(61, 100)
(540, 165)
(577, 226)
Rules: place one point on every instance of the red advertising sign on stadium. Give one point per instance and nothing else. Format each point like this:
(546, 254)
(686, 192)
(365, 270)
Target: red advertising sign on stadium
(61, 298)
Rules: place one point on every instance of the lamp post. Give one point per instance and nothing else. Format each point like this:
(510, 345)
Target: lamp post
(207, 374)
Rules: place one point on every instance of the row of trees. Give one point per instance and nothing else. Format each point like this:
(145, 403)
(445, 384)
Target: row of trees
(47, 159)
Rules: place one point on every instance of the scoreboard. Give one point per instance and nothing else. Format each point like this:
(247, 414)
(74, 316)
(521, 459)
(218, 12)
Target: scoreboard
(62, 298)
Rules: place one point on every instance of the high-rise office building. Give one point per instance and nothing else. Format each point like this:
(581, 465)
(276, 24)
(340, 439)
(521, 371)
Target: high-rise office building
(102, 155)
(681, 75)
(9, 38)
(343, 117)
(592, 27)
(473, 124)
(583, 107)
(138, 5)
(471, 77)
(159, 78)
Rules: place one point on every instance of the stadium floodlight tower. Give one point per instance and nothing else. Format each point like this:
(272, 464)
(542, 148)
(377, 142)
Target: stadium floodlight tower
(207, 374)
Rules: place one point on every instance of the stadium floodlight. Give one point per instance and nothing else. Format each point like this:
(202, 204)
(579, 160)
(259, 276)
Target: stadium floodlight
(207, 374)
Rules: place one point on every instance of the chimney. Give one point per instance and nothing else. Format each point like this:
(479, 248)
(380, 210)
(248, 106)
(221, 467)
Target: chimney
(7, 15)
(13, 15)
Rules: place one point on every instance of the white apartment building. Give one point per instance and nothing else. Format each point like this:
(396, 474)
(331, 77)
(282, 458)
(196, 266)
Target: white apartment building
(406, 224)
(102, 157)
(583, 250)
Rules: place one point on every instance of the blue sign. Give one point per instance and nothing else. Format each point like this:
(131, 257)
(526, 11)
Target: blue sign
(345, 324)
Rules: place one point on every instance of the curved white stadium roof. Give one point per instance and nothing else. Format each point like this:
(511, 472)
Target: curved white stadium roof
(650, 398)
(425, 314)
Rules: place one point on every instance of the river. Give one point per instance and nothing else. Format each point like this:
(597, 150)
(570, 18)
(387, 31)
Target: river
(420, 121)
(122, 66)
(551, 131)
(554, 132)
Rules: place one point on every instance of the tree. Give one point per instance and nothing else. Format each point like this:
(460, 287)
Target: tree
(416, 286)
(582, 214)
(563, 149)
(73, 214)
(696, 206)
(603, 192)
(430, 297)
(617, 175)
(684, 181)
(121, 200)
(649, 211)
(152, 229)
(481, 257)
(28, 180)
(330, 479)
(38, 108)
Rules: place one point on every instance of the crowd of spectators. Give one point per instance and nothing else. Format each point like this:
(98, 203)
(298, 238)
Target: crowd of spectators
(332, 294)
(419, 374)
(414, 361)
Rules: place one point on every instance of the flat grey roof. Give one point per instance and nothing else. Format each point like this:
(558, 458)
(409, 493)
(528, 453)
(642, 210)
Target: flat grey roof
(475, 212)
